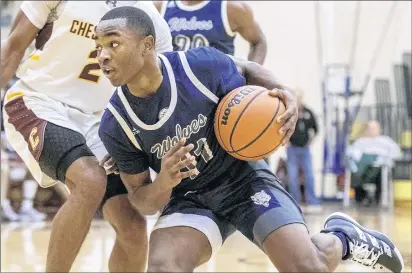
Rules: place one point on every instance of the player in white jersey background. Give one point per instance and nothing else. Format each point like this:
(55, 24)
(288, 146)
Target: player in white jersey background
(51, 117)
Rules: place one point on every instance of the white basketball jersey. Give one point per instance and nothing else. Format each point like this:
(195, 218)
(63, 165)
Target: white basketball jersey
(64, 65)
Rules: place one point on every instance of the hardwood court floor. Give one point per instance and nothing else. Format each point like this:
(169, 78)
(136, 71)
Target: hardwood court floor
(24, 245)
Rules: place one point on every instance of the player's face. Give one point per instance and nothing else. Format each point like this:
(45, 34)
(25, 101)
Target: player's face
(119, 51)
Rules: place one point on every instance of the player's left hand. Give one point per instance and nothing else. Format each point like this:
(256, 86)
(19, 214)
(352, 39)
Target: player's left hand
(109, 165)
(290, 116)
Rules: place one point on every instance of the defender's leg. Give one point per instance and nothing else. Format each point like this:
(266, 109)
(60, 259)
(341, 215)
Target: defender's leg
(129, 253)
(53, 152)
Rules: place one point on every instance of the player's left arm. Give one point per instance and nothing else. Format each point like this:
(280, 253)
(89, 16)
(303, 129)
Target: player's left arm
(223, 73)
(241, 20)
(256, 74)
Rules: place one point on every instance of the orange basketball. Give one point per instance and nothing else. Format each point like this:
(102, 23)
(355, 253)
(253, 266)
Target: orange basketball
(245, 123)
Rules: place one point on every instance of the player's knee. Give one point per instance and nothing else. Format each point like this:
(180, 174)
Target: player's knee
(90, 186)
(159, 262)
(96, 184)
(133, 232)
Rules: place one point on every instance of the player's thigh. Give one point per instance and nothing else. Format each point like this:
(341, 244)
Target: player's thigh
(263, 208)
(44, 138)
(66, 157)
(24, 131)
(271, 219)
(185, 236)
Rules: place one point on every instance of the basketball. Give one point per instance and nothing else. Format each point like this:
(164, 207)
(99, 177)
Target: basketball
(245, 123)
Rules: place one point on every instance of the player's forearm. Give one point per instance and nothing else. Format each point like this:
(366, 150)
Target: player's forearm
(256, 74)
(10, 60)
(150, 198)
(257, 52)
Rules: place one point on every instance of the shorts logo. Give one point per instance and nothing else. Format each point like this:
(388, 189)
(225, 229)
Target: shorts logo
(34, 138)
(261, 198)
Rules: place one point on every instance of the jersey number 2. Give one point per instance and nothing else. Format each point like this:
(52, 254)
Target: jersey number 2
(89, 70)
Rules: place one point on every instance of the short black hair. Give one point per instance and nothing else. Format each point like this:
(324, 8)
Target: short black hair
(136, 19)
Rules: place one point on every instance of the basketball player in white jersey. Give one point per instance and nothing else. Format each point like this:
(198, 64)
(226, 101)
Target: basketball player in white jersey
(52, 115)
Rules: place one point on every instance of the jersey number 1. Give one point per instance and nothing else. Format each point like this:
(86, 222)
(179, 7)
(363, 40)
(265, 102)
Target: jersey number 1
(202, 149)
(89, 70)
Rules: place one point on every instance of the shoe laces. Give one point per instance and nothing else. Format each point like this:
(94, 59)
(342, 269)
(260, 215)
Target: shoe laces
(363, 255)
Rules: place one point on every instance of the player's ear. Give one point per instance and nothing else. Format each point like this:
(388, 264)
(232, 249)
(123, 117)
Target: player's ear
(149, 43)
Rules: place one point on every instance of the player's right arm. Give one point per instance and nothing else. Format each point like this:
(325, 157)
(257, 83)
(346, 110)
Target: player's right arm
(150, 197)
(133, 166)
(30, 19)
(146, 196)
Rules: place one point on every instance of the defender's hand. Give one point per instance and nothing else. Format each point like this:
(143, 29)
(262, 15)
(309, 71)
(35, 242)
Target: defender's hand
(290, 116)
(174, 161)
(109, 165)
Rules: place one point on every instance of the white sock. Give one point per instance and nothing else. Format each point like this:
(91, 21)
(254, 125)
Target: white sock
(5, 203)
(26, 204)
(29, 192)
(29, 189)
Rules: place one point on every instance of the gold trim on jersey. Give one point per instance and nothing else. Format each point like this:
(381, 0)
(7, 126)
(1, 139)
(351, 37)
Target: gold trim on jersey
(34, 57)
(14, 95)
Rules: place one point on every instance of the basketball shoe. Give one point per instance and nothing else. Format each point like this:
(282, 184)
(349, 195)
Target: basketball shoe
(364, 246)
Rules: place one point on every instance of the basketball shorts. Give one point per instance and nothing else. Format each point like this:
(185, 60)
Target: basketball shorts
(49, 135)
(256, 206)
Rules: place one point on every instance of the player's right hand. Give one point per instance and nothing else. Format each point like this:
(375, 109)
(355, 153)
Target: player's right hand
(174, 161)
(109, 165)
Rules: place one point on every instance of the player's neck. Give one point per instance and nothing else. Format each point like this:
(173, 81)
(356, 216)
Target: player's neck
(191, 2)
(148, 81)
